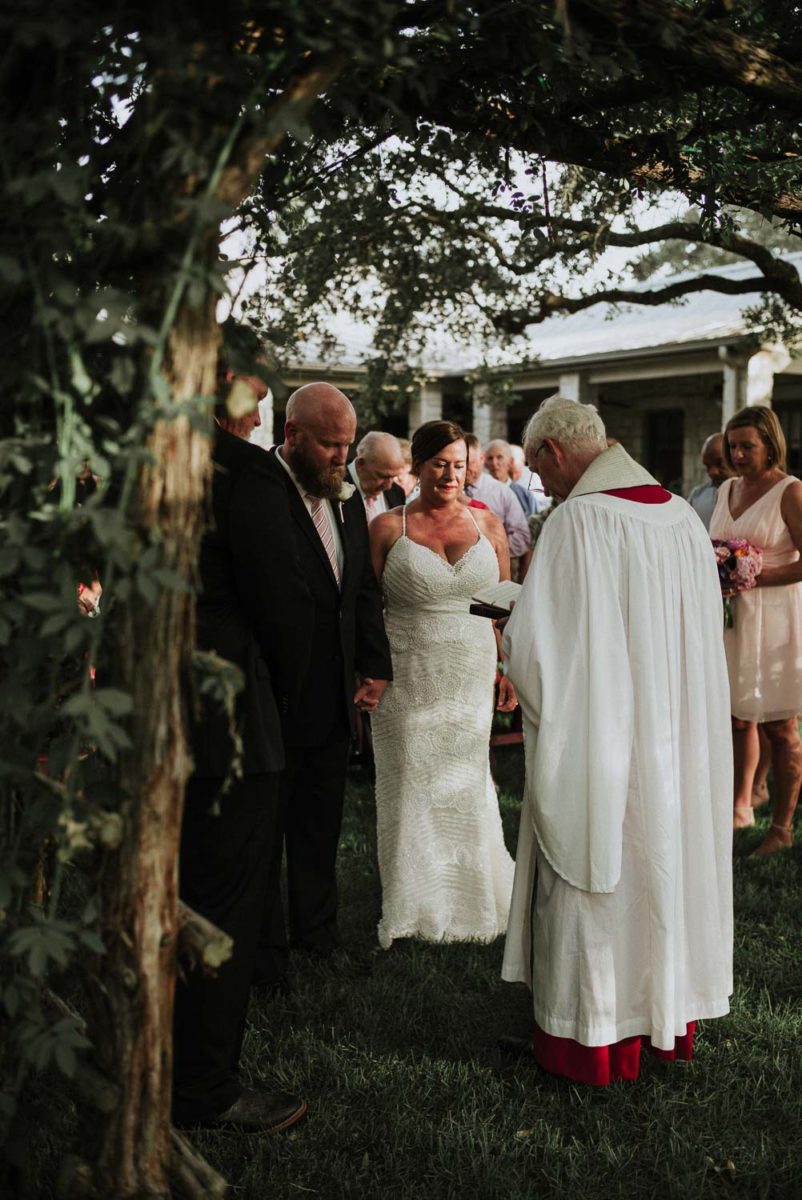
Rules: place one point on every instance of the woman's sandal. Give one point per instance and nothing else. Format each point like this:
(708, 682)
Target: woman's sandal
(779, 837)
(743, 816)
(760, 795)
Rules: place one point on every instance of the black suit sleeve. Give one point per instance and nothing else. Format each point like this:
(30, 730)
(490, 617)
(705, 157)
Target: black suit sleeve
(371, 649)
(268, 574)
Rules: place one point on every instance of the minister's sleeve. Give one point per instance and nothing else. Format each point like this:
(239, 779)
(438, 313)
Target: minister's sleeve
(568, 660)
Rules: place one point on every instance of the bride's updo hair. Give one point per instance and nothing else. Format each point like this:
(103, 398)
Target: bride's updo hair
(430, 439)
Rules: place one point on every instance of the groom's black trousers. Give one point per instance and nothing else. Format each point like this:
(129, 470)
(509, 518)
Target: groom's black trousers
(223, 876)
(312, 791)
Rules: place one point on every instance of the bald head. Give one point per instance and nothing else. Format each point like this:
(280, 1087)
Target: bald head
(320, 426)
(378, 461)
(498, 459)
(713, 459)
(319, 402)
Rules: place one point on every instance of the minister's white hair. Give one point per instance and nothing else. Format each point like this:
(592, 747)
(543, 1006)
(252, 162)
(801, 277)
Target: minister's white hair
(568, 422)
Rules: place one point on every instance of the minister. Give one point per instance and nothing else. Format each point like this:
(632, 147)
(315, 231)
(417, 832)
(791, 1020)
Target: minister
(621, 918)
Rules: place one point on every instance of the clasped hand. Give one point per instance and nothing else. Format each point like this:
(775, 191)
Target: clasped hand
(368, 693)
(507, 700)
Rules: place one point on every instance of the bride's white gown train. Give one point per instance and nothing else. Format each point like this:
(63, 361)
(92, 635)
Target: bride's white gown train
(445, 871)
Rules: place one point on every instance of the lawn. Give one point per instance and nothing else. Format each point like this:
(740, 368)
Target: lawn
(410, 1098)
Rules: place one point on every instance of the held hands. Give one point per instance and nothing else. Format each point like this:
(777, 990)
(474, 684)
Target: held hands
(507, 700)
(368, 693)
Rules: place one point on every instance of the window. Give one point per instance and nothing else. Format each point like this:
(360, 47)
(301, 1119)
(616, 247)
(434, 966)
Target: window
(790, 417)
(665, 434)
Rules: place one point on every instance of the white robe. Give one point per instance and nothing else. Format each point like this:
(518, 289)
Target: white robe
(621, 918)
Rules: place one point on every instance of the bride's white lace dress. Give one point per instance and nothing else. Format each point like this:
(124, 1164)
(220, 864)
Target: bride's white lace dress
(445, 871)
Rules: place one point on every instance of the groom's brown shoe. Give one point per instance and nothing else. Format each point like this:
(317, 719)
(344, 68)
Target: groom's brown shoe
(255, 1111)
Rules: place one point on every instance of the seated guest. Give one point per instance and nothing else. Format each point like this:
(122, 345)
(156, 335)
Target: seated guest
(498, 498)
(621, 916)
(703, 498)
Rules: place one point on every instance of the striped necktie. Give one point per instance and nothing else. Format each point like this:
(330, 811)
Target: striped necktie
(324, 531)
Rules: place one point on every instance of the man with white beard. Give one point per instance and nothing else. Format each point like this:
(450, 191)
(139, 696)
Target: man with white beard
(621, 917)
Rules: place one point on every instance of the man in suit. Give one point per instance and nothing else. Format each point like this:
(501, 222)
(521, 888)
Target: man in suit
(378, 461)
(254, 610)
(346, 663)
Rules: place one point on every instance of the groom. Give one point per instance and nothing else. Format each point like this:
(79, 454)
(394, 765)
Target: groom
(346, 663)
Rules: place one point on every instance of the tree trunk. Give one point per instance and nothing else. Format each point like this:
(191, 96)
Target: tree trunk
(132, 998)
(132, 1019)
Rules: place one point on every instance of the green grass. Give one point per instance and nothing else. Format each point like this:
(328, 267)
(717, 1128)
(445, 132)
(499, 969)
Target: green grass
(410, 1098)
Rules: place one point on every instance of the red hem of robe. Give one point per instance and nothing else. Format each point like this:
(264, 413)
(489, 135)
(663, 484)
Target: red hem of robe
(643, 493)
(602, 1065)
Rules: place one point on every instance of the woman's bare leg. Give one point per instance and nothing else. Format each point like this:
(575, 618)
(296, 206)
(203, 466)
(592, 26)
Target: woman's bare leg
(760, 787)
(786, 754)
(746, 753)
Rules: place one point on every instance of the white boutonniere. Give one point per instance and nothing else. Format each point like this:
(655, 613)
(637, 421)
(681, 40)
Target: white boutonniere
(346, 491)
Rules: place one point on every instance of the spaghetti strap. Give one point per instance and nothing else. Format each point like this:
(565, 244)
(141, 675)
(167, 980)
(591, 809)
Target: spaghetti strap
(473, 518)
(403, 520)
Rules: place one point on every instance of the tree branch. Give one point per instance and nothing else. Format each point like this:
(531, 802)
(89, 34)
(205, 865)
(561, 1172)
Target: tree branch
(714, 52)
(200, 943)
(550, 303)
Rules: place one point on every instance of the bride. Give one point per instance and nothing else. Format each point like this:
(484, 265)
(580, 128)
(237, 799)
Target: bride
(445, 871)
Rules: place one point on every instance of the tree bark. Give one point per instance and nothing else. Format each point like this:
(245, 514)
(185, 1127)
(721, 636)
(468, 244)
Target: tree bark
(139, 881)
(132, 997)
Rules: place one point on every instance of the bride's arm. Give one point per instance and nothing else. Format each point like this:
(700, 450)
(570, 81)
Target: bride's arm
(494, 531)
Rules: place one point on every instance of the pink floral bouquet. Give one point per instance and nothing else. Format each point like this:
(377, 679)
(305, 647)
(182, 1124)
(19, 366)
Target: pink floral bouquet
(739, 564)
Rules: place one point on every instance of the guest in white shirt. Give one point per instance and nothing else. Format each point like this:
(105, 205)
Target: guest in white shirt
(378, 461)
(498, 463)
(520, 473)
(498, 498)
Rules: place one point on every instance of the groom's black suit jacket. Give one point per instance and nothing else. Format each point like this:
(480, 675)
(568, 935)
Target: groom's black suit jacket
(254, 607)
(347, 632)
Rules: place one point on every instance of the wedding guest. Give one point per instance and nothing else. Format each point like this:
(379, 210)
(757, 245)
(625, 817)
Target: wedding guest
(621, 917)
(378, 461)
(498, 498)
(406, 478)
(498, 462)
(254, 610)
(520, 473)
(764, 646)
(703, 498)
(345, 662)
(445, 871)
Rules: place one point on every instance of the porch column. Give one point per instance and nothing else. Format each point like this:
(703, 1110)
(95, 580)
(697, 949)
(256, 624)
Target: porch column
(426, 406)
(575, 385)
(760, 372)
(489, 420)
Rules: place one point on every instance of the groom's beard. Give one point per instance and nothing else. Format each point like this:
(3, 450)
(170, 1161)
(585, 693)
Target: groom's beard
(324, 482)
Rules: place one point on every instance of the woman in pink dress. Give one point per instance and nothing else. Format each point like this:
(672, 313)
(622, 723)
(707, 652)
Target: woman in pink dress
(764, 647)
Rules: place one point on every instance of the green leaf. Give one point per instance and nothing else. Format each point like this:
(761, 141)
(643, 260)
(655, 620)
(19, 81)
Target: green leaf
(42, 602)
(78, 706)
(115, 701)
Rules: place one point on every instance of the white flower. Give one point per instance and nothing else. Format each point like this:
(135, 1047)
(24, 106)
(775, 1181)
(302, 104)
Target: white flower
(346, 491)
